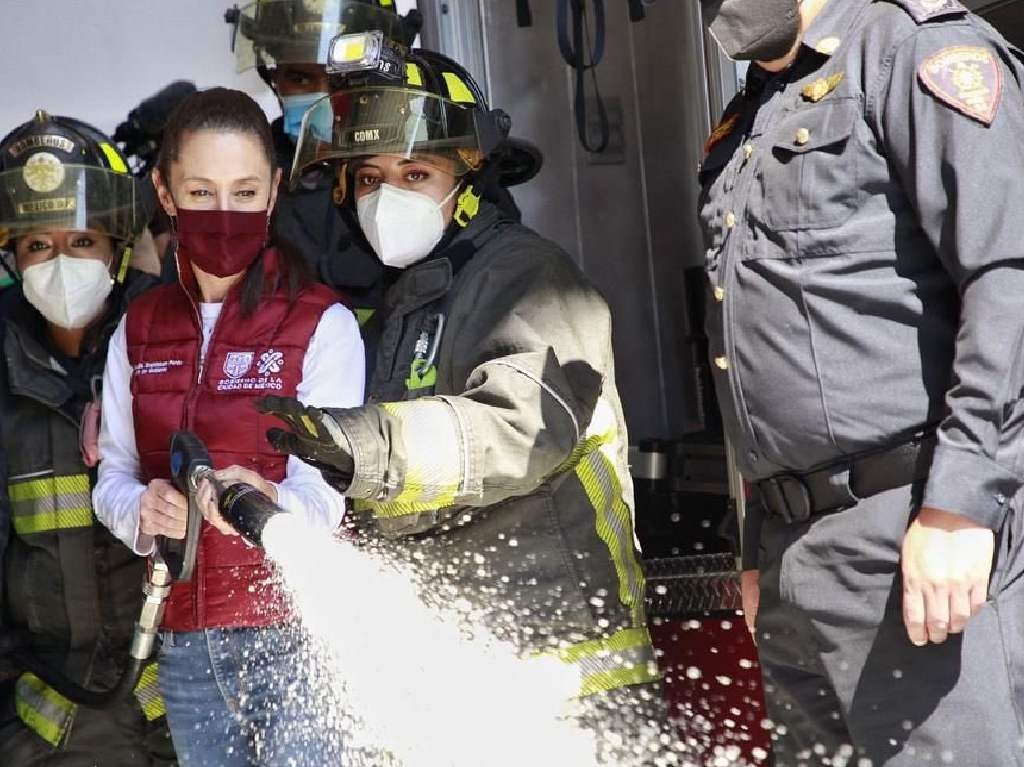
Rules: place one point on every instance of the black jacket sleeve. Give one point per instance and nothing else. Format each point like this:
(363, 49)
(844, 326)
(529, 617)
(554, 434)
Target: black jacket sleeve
(529, 347)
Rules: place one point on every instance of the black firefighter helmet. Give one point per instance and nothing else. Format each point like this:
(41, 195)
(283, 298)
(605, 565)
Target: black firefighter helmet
(431, 107)
(62, 173)
(272, 32)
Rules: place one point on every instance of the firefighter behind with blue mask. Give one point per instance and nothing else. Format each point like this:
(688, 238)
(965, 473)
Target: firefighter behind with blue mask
(70, 211)
(286, 41)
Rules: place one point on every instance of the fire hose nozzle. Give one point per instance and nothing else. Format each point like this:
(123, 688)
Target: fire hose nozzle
(247, 510)
(244, 507)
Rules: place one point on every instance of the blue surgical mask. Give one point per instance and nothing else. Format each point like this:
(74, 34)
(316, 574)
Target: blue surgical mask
(295, 108)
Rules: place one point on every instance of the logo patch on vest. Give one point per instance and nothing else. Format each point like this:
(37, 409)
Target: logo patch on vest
(247, 371)
(237, 364)
(271, 362)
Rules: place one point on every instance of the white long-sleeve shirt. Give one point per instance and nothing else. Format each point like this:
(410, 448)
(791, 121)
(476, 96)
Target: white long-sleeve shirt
(333, 375)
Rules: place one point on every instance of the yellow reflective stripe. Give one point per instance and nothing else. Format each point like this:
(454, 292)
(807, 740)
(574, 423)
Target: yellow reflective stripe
(610, 680)
(126, 260)
(416, 497)
(413, 74)
(626, 657)
(40, 488)
(402, 509)
(43, 710)
(583, 449)
(417, 490)
(433, 461)
(601, 432)
(117, 164)
(51, 503)
(615, 527)
(48, 521)
(625, 639)
(148, 693)
(458, 91)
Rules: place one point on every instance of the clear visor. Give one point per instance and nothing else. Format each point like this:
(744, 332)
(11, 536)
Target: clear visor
(47, 194)
(276, 32)
(402, 122)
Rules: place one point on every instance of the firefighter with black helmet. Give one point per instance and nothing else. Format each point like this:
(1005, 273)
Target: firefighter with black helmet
(71, 591)
(495, 430)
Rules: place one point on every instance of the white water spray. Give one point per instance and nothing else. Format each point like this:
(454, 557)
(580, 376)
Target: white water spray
(423, 688)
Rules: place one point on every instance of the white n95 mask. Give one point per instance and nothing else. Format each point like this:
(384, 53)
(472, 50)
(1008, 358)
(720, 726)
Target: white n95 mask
(402, 226)
(69, 292)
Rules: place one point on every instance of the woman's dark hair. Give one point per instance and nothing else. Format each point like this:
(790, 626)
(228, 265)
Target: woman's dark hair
(227, 110)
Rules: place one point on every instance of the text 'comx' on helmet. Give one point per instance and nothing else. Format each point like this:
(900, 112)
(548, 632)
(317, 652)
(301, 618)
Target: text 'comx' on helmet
(273, 32)
(61, 173)
(436, 110)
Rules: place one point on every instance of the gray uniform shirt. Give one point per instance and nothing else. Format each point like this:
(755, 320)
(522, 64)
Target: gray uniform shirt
(864, 223)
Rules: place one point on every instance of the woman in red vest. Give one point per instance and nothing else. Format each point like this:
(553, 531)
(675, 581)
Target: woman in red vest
(242, 321)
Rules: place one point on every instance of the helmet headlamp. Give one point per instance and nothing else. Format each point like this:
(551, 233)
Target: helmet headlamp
(369, 52)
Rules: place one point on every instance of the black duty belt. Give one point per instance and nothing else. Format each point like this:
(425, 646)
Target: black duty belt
(799, 496)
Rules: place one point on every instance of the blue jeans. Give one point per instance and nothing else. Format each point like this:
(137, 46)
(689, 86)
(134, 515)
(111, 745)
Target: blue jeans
(243, 698)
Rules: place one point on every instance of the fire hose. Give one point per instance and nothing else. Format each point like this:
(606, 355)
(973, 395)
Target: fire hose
(173, 561)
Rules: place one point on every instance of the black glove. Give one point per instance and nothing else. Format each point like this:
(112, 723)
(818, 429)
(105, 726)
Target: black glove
(316, 438)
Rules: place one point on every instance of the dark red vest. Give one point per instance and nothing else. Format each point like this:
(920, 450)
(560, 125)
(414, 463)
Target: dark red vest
(248, 357)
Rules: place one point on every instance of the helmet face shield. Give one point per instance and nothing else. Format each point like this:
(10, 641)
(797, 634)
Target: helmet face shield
(273, 32)
(403, 122)
(46, 194)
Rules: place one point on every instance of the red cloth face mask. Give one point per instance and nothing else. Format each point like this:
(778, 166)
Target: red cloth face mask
(222, 242)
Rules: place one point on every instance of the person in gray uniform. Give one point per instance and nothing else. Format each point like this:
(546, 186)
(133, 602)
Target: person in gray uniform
(865, 326)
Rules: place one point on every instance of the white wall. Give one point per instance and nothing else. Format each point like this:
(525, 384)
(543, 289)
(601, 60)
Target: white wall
(97, 59)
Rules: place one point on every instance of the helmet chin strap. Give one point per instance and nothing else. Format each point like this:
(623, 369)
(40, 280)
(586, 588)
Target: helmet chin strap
(448, 197)
(11, 271)
(122, 269)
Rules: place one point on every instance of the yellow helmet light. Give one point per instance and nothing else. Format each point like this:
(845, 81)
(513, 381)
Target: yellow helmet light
(365, 52)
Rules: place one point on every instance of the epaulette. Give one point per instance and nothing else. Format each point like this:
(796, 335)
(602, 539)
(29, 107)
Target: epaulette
(923, 11)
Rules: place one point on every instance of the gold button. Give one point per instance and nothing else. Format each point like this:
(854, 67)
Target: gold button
(730, 220)
(719, 294)
(748, 150)
(721, 363)
(803, 136)
(828, 45)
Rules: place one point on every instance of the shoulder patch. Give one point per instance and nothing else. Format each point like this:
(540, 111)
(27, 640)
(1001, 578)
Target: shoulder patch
(967, 78)
(926, 10)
